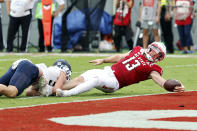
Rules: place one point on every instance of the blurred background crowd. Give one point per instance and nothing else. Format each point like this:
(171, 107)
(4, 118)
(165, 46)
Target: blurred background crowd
(98, 25)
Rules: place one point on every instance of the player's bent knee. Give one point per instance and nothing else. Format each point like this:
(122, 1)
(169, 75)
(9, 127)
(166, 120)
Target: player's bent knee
(12, 92)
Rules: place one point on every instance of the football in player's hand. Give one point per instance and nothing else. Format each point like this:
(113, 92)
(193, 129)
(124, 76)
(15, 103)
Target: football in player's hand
(170, 84)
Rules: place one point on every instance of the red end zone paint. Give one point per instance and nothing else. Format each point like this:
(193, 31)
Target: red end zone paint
(36, 118)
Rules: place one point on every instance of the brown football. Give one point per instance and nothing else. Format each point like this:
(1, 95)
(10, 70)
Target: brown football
(170, 84)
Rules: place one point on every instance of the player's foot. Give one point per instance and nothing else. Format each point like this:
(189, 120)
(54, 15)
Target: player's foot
(59, 93)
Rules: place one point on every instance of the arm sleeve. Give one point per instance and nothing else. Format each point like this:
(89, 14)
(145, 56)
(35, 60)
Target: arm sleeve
(157, 69)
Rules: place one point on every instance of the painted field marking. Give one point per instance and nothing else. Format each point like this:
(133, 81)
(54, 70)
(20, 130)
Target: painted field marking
(78, 100)
(133, 119)
(144, 113)
(84, 54)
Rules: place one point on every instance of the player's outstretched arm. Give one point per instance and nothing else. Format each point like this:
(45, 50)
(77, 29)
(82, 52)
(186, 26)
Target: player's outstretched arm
(174, 86)
(157, 78)
(60, 81)
(97, 61)
(111, 59)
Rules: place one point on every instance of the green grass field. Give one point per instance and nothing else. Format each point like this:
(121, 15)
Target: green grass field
(181, 68)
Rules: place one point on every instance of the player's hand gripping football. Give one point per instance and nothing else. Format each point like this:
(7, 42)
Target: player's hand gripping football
(173, 85)
(97, 61)
(179, 88)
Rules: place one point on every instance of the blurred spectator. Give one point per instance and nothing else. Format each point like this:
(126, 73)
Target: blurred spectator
(1, 34)
(166, 24)
(184, 23)
(55, 13)
(20, 14)
(122, 23)
(193, 11)
(149, 16)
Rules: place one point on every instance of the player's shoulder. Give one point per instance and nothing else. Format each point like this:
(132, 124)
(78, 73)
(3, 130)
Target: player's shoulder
(157, 68)
(137, 50)
(155, 65)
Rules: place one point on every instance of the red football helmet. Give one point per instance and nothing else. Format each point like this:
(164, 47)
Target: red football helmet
(156, 51)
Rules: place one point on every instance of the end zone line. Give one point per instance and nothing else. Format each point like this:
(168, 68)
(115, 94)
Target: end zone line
(82, 100)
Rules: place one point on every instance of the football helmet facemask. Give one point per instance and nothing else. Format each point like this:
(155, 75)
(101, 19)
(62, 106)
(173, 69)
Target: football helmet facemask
(155, 52)
(65, 66)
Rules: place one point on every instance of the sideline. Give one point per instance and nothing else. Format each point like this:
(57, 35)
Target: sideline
(85, 54)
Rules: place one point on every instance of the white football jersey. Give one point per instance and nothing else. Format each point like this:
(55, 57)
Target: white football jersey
(51, 75)
(19, 8)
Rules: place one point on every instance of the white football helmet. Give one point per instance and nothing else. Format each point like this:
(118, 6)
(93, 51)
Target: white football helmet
(65, 66)
(156, 51)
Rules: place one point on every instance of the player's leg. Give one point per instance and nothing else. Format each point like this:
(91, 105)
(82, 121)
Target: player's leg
(83, 87)
(107, 81)
(80, 79)
(103, 80)
(5, 79)
(9, 91)
(84, 82)
(26, 73)
(4, 82)
(73, 83)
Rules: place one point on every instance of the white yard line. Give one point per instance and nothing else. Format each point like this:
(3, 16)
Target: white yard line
(78, 100)
(83, 54)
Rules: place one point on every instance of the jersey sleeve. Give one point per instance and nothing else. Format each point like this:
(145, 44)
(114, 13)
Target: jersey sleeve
(135, 49)
(158, 69)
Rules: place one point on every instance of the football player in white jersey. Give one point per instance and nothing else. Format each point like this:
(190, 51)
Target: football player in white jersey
(53, 78)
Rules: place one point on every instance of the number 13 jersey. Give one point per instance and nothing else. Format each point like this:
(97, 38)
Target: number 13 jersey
(134, 68)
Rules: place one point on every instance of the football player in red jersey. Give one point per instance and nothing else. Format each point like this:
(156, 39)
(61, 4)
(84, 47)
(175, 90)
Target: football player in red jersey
(129, 68)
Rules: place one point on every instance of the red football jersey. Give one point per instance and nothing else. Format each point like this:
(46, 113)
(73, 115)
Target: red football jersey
(188, 20)
(134, 68)
(123, 15)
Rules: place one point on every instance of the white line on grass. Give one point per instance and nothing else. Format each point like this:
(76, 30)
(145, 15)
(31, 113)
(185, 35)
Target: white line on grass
(80, 100)
(82, 54)
(176, 66)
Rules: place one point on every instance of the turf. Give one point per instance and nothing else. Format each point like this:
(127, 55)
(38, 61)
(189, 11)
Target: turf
(181, 68)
